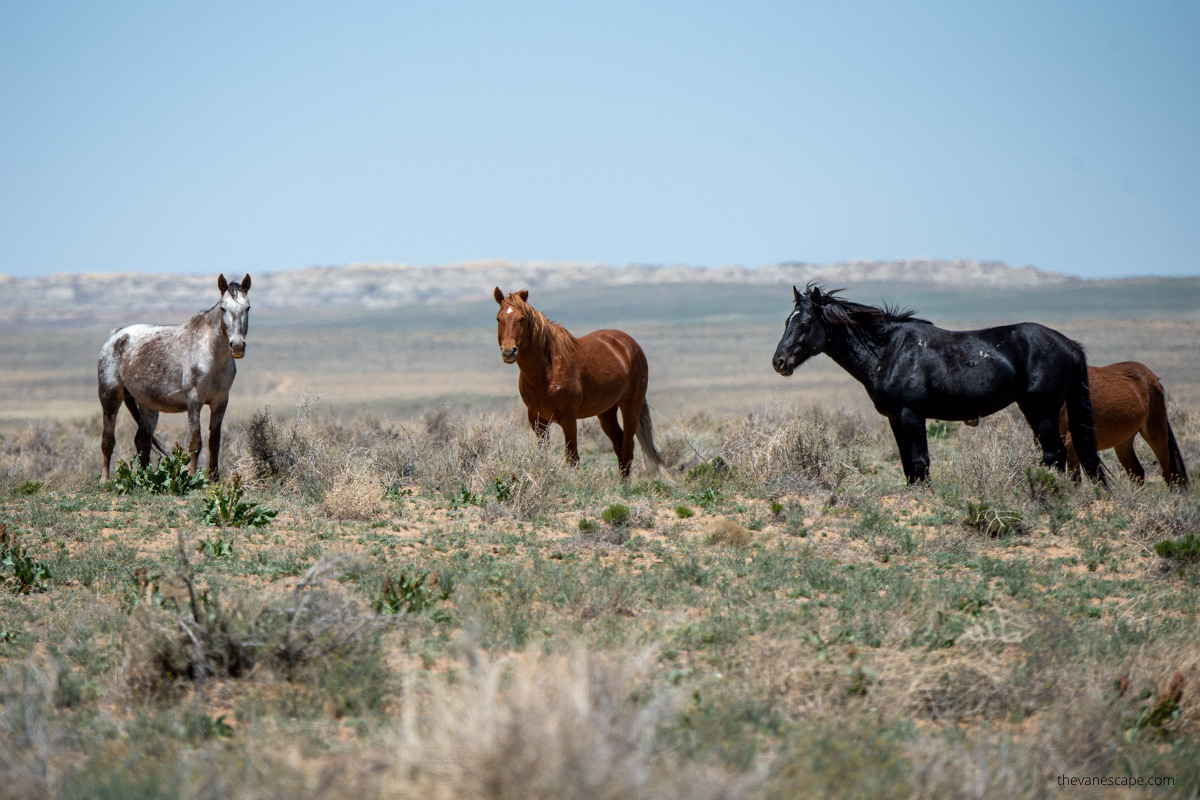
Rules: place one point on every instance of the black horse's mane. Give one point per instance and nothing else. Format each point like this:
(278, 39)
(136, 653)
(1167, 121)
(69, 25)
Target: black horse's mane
(836, 310)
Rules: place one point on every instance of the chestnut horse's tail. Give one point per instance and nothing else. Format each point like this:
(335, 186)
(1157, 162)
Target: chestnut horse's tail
(1178, 470)
(1079, 419)
(645, 437)
(136, 412)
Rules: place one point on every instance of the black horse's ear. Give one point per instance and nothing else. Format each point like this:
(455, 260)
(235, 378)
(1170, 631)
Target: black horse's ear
(246, 283)
(796, 292)
(499, 295)
(815, 295)
(523, 294)
(221, 284)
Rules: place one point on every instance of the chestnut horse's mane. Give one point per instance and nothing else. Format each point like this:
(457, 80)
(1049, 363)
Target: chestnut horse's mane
(554, 339)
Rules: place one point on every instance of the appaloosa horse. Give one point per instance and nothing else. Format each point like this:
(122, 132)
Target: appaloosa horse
(172, 368)
(914, 371)
(565, 379)
(1127, 399)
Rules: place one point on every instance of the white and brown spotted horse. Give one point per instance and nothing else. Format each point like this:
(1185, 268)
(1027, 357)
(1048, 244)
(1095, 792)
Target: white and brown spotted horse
(168, 369)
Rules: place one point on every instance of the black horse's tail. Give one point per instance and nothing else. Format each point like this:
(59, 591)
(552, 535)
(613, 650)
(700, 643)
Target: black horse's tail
(645, 437)
(1079, 420)
(1178, 470)
(136, 412)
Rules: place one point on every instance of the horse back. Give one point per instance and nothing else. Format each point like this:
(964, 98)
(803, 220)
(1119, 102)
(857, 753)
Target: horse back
(1123, 396)
(610, 365)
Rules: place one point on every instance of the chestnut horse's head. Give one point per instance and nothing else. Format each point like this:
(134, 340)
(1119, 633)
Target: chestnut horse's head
(512, 330)
(804, 332)
(235, 313)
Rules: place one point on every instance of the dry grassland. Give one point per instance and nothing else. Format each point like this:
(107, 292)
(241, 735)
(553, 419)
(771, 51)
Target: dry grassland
(442, 608)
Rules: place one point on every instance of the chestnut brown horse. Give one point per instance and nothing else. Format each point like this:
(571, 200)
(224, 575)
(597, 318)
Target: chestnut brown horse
(1127, 399)
(565, 379)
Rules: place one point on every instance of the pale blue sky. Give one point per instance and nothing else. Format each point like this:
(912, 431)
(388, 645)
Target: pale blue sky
(265, 136)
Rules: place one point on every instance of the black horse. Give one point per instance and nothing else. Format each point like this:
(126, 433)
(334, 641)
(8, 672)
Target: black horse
(914, 371)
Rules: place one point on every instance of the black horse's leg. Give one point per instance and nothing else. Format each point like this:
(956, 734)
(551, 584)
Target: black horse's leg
(918, 444)
(903, 446)
(1043, 419)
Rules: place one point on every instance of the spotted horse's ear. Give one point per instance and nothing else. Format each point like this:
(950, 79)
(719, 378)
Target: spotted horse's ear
(222, 284)
(245, 284)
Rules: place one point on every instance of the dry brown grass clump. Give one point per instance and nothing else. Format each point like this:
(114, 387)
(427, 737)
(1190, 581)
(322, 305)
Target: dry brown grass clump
(796, 450)
(559, 726)
(991, 459)
(60, 455)
(355, 495)
(726, 531)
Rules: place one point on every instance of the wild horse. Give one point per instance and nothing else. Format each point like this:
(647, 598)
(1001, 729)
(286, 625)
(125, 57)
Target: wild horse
(914, 371)
(172, 368)
(565, 379)
(1127, 399)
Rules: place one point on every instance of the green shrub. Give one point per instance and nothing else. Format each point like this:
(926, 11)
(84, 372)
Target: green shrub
(224, 506)
(617, 515)
(1186, 550)
(169, 476)
(683, 512)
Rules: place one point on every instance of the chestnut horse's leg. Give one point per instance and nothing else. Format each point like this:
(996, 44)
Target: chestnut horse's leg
(612, 429)
(540, 426)
(216, 414)
(570, 434)
(144, 437)
(1129, 460)
(631, 412)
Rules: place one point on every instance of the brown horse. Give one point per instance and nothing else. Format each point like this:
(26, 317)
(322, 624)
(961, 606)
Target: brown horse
(174, 368)
(565, 379)
(1127, 399)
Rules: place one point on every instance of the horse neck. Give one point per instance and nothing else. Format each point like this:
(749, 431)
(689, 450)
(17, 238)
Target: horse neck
(549, 348)
(851, 353)
(206, 327)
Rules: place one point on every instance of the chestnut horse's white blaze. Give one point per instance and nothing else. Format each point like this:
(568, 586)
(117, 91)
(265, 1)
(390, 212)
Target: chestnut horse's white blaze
(170, 369)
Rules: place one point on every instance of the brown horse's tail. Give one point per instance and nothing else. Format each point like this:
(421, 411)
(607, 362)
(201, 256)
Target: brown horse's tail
(645, 437)
(1178, 470)
(1079, 419)
(136, 412)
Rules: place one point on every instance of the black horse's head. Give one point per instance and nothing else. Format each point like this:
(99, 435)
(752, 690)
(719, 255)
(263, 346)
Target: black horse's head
(804, 333)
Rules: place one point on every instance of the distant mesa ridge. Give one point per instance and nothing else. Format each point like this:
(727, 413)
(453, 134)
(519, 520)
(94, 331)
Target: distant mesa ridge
(79, 296)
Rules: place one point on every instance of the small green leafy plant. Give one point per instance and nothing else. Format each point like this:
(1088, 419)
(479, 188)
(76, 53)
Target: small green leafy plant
(169, 476)
(224, 506)
(28, 574)
(994, 521)
(504, 487)
(411, 594)
(215, 548)
(683, 512)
